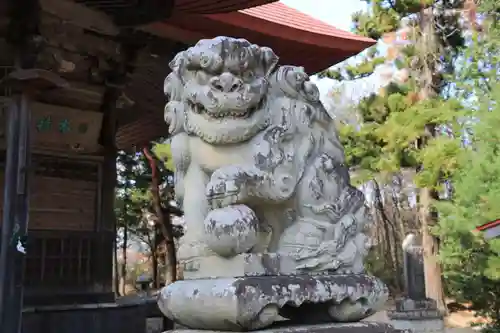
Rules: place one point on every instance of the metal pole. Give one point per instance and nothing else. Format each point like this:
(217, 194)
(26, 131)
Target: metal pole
(16, 210)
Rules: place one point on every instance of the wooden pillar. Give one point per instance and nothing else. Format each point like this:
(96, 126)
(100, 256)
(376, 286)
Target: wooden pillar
(22, 35)
(116, 81)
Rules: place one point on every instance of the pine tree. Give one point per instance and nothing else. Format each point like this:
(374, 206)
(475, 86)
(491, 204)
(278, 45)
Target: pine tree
(403, 125)
(471, 264)
(145, 195)
(127, 211)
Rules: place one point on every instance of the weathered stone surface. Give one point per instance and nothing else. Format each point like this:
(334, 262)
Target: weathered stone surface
(231, 236)
(409, 309)
(273, 225)
(363, 327)
(251, 303)
(247, 264)
(420, 326)
(418, 315)
(246, 133)
(414, 267)
(408, 304)
(415, 312)
(415, 315)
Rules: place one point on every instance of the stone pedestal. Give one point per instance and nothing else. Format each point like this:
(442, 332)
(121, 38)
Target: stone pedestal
(363, 327)
(420, 316)
(249, 303)
(245, 264)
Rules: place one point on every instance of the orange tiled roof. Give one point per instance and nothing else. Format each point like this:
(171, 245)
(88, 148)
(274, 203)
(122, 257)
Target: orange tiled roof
(282, 14)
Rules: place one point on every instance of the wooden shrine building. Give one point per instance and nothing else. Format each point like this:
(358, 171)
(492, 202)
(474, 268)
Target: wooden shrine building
(91, 75)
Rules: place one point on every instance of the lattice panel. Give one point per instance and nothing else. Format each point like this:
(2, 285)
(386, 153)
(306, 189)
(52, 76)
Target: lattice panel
(59, 262)
(64, 194)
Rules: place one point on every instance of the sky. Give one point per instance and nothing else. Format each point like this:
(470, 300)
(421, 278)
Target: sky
(337, 13)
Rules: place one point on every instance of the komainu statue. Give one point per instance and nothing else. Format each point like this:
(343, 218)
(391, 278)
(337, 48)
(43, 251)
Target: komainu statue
(273, 225)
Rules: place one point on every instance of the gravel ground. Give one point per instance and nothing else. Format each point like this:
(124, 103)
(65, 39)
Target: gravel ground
(381, 316)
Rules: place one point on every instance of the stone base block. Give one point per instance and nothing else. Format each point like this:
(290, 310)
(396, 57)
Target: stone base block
(409, 309)
(250, 303)
(364, 327)
(419, 316)
(420, 326)
(408, 304)
(247, 264)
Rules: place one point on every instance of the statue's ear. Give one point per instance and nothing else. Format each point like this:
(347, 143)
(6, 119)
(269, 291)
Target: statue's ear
(178, 63)
(269, 60)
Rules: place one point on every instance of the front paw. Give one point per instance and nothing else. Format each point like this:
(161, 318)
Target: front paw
(227, 187)
(174, 116)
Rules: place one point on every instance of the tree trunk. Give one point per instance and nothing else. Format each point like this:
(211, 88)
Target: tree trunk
(428, 44)
(164, 222)
(430, 244)
(154, 259)
(124, 258)
(116, 269)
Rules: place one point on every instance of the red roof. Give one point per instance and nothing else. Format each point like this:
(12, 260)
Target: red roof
(297, 38)
(280, 13)
(488, 225)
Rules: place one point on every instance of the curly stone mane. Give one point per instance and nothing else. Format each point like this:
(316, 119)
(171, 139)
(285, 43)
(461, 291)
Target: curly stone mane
(217, 90)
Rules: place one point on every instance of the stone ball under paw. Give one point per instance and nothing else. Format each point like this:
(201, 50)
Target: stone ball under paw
(231, 230)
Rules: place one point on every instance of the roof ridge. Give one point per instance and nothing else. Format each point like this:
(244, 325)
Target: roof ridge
(278, 12)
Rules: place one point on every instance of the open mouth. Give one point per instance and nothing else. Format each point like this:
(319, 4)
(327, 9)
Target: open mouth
(200, 109)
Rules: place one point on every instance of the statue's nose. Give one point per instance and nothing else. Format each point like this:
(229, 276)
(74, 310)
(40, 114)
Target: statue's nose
(226, 82)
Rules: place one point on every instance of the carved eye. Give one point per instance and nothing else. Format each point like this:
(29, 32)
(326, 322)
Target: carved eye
(328, 165)
(210, 62)
(205, 61)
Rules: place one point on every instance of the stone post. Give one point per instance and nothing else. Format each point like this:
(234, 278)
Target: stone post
(415, 312)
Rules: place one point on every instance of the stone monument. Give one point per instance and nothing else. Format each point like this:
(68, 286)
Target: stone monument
(274, 228)
(415, 311)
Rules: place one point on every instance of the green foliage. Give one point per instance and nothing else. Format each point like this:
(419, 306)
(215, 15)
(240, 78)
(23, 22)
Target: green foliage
(132, 193)
(395, 119)
(352, 72)
(163, 152)
(471, 264)
(407, 123)
(378, 266)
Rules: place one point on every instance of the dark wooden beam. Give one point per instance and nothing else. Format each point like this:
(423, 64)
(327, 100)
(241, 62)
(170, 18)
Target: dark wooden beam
(22, 35)
(80, 16)
(116, 79)
(146, 86)
(132, 13)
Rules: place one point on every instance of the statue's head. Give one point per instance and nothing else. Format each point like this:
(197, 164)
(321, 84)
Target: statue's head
(224, 85)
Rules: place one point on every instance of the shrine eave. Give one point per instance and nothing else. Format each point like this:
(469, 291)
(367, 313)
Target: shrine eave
(298, 38)
(218, 6)
(491, 229)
